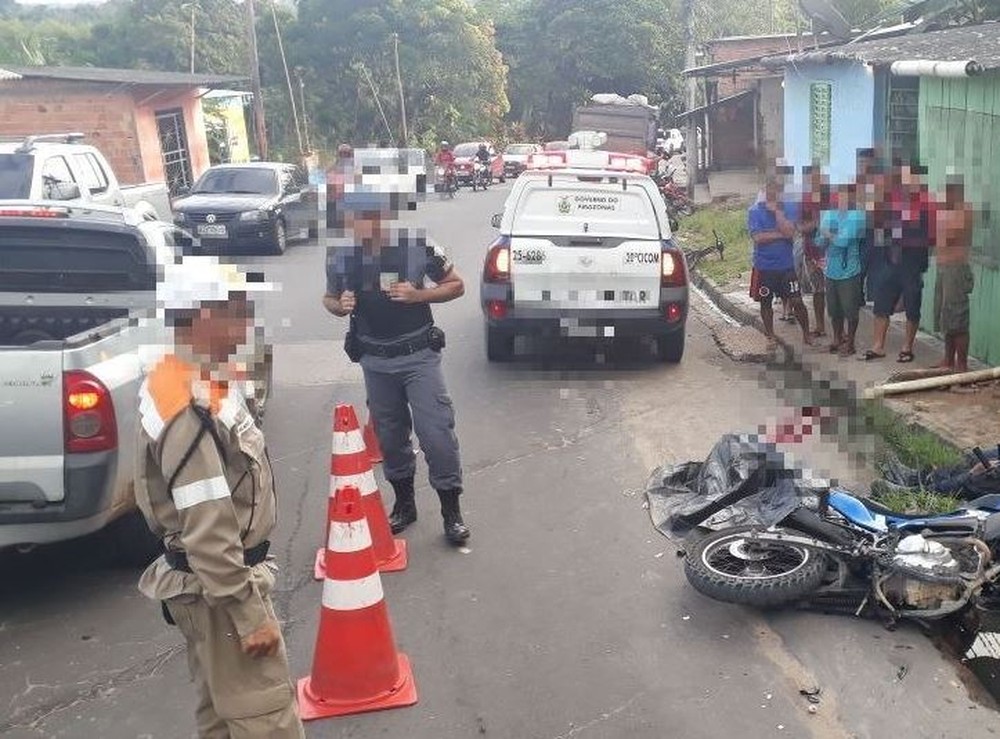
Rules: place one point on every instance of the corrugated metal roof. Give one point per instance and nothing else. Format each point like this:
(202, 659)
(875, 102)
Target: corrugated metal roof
(127, 76)
(980, 43)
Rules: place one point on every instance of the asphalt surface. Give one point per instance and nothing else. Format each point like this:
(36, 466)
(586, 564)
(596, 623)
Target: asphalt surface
(566, 616)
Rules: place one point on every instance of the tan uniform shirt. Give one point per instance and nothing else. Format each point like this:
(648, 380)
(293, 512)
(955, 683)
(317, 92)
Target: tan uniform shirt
(223, 498)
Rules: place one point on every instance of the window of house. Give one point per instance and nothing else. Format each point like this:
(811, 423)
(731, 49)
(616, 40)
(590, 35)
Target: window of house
(820, 106)
(903, 112)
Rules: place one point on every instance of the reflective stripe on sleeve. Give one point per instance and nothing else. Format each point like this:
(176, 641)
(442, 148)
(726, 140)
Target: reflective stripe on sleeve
(200, 491)
(352, 595)
(349, 537)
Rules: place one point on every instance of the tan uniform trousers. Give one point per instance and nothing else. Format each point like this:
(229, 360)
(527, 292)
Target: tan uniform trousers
(239, 697)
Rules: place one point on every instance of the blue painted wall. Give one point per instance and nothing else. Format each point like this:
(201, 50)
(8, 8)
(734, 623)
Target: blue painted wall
(851, 116)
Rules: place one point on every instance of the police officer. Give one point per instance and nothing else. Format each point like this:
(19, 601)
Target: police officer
(205, 485)
(385, 280)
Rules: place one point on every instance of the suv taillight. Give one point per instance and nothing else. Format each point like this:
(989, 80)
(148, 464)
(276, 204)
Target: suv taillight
(89, 414)
(673, 269)
(497, 266)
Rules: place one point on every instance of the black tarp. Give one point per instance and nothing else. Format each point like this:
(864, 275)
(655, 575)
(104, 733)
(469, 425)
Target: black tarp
(743, 481)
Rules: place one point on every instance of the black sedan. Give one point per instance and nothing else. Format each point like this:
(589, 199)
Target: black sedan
(261, 204)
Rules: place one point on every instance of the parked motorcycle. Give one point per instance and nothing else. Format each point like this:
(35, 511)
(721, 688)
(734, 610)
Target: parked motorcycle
(674, 196)
(480, 175)
(447, 181)
(776, 540)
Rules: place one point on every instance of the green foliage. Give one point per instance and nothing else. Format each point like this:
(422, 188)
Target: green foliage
(913, 446)
(454, 79)
(156, 34)
(560, 52)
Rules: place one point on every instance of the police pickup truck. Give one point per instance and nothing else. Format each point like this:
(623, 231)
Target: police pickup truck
(78, 329)
(585, 250)
(59, 167)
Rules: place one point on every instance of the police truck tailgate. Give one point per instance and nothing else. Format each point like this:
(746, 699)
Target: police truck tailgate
(31, 416)
(584, 243)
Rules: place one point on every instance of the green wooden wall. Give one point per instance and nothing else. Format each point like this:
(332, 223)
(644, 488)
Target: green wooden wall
(960, 134)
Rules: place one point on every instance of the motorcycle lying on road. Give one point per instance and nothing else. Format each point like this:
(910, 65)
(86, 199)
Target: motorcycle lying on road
(480, 175)
(778, 539)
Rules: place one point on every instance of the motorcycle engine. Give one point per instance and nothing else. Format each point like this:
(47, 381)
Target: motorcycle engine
(924, 574)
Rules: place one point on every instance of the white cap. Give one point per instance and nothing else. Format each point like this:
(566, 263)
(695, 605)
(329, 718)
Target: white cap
(202, 279)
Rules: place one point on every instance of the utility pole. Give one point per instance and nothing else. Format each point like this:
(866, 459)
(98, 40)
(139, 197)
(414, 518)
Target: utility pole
(691, 136)
(193, 6)
(288, 78)
(399, 82)
(260, 130)
(302, 106)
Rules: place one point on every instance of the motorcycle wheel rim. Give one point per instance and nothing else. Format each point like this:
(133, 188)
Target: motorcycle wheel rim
(740, 558)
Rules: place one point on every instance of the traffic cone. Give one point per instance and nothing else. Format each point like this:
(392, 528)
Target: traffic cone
(371, 441)
(350, 465)
(356, 667)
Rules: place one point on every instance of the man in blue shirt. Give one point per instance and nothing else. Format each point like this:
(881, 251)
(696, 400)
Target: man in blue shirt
(771, 223)
(841, 233)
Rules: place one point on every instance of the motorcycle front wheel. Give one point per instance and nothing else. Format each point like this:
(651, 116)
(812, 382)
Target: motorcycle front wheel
(733, 567)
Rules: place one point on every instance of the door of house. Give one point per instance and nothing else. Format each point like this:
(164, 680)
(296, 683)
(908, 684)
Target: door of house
(174, 147)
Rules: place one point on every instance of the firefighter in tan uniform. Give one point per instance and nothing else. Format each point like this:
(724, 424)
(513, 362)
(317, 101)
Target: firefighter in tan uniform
(205, 485)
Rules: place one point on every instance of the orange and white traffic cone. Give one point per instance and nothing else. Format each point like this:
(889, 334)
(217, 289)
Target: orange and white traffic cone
(350, 465)
(356, 667)
(371, 441)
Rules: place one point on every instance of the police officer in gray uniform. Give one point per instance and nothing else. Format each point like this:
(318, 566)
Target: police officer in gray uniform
(385, 279)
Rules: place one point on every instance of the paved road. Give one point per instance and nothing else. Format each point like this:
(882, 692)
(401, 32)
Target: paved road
(568, 617)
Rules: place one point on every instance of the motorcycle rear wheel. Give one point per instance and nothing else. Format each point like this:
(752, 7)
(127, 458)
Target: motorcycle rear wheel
(728, 566)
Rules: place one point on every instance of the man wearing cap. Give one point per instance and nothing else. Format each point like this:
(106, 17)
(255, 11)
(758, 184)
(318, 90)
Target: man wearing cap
(205, 485)
(385, 279)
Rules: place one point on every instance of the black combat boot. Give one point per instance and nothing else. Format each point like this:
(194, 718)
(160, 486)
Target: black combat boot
(404, 511)
(455, 529)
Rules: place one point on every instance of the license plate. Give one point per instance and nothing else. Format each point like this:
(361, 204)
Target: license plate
(212, 230)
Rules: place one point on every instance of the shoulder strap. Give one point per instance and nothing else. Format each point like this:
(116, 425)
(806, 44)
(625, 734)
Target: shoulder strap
(206, 425)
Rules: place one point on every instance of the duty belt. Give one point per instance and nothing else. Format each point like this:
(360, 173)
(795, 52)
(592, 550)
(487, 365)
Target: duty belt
(252, 556)
(398, 349)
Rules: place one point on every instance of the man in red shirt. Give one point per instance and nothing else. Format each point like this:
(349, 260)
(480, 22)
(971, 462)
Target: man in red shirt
(445, 157)
(909, 228)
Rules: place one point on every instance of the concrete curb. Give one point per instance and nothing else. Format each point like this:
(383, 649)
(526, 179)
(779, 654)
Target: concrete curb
(746, 318)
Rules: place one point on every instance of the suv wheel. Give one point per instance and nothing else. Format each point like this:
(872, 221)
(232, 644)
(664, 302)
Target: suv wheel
(130, 542)
(499, 345)
(280, 237)
(670, 348)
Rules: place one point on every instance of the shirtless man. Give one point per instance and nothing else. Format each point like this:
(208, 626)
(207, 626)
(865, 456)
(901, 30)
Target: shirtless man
(955, 222)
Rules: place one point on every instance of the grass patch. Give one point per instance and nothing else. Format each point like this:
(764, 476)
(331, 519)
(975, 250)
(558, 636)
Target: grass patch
(913, 447)
(730, 221)
(913, 500)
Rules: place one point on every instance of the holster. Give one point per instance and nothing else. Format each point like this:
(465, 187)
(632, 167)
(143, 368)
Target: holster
(352, 346)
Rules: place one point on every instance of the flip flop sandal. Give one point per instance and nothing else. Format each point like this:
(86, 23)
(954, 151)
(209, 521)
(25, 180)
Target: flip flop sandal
(870, 355)
(817, 334)
(905, 357)
(833, 348)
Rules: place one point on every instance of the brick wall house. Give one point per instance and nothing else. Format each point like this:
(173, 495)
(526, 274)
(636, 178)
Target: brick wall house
(150, 125)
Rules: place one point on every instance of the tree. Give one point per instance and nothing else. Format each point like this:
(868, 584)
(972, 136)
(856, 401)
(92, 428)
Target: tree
(454, 79)
(156, 34)
(560, 52)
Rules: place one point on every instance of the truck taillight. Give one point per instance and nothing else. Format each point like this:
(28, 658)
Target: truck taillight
(89, 414)
(497, 266)
(673, 271)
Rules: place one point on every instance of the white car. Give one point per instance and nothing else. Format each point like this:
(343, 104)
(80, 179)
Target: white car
(584, 250)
